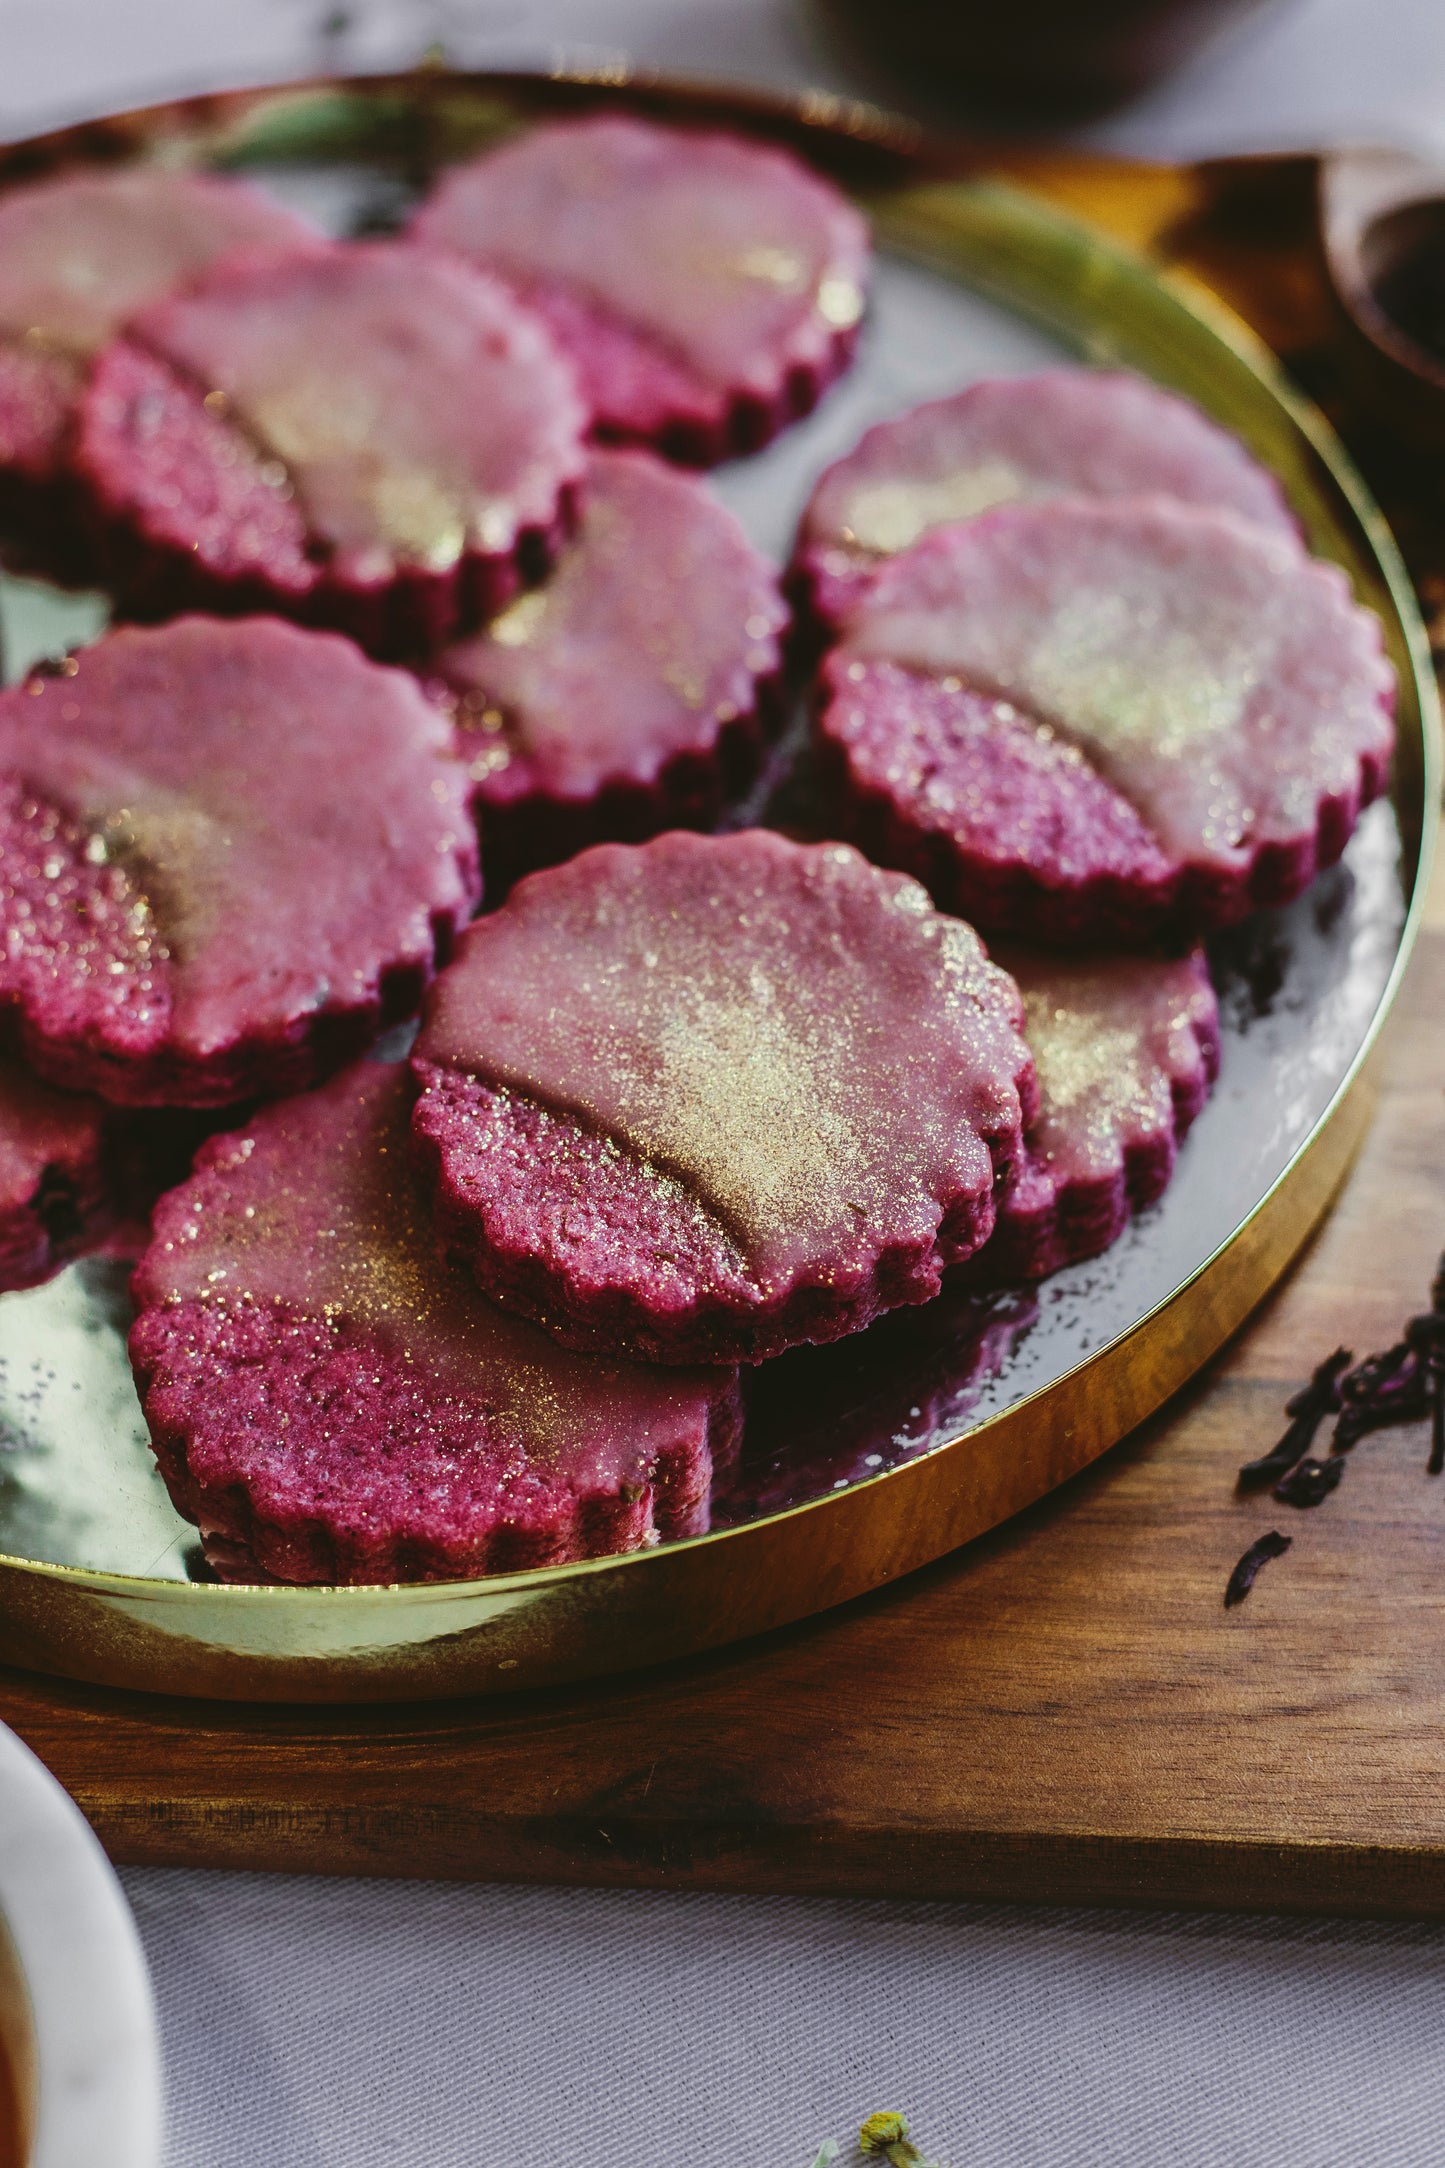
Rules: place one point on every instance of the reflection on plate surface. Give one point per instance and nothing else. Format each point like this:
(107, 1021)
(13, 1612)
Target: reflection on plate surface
(1299, 990)
(78, 1485)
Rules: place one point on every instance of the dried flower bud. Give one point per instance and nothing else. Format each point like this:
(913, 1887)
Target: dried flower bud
(887, 2134)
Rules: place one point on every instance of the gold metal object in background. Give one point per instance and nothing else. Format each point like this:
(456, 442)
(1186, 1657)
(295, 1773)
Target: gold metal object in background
(531, 1629)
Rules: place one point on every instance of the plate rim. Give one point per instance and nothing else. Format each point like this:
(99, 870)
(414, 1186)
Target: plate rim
(941, 175)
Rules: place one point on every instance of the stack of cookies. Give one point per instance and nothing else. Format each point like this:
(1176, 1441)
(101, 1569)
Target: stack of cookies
(417, 595)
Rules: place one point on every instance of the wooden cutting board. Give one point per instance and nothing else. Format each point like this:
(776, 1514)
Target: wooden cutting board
(1064, 1711)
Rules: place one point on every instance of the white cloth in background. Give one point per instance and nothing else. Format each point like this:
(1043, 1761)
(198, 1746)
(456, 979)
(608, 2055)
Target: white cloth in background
(1305, 72)
(314, 2024)
(372, 2025)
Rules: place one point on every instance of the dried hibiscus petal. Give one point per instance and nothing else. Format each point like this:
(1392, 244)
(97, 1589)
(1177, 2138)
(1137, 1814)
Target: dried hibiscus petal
(1308, 1408)
(1241, 1581)
(1310, 1483)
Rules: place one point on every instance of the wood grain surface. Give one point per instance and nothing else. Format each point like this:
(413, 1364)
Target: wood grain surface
(1064, 1711)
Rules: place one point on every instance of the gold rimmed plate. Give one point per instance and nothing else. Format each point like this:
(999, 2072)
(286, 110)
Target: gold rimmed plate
(866, 1459)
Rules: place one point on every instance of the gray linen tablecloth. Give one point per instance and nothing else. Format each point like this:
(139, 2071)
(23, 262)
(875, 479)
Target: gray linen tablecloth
(349, 2025)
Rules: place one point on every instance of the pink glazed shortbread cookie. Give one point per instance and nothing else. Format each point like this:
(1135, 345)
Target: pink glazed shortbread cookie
(1089, 722)
(708, 288)
(79, 253)
(331, 1402)
(629, 694)
(1126, 1050)
(374, 438)
(229, 853)
(1008, 440)
(704, 1098)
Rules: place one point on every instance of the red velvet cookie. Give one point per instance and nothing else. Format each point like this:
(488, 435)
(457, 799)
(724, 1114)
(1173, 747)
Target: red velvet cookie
(708, 288)
(704, 1098)
(1126, 1050)
(79, 253)
(376, 438)
(624, 696)
(331, 1402)
(1090, 721)
(1016, 439)
(228, 854)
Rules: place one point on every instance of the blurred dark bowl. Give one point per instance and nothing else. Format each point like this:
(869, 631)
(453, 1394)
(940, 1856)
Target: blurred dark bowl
(1043, 59)
(1382, 223)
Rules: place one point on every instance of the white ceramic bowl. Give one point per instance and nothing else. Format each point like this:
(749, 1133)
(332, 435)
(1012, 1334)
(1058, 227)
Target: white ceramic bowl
(76, 2019)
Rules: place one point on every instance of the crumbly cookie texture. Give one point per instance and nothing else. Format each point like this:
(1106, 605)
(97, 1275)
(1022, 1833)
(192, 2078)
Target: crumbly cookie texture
(1093, 722)
(376, 438)
(707, 287)
(229, 854)
(80, 252)
(1016, 440)
(332, 1402)
(634, 690)
(710, 1096)
(1126, 1048)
